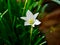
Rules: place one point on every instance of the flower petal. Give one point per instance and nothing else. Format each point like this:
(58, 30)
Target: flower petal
(57, 1)
(24, 18)
(35, 15)
(37, 22)
(29, 14)
(33, 25)
(26, 24)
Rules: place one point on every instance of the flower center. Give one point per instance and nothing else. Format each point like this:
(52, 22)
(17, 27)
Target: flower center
(31, 21)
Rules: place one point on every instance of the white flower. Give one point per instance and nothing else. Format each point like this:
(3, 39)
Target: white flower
(57, 1)
(30, 19)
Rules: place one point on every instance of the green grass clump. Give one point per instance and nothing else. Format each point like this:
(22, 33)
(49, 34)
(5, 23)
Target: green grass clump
(12, 29)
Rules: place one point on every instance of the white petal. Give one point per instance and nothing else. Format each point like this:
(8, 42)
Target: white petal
(37, 22)
(29, 14)
(35, 15)
(24, 18)
(57, 1)
(26, 24)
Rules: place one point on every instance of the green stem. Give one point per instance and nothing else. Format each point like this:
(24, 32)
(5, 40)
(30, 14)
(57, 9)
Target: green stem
(43, 43)
(9, 8)
(4, 13)
(24, 6)
(31, 34)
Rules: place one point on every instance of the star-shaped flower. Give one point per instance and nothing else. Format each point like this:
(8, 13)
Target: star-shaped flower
(30, 19)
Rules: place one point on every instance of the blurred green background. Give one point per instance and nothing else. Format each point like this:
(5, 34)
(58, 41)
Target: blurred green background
(12, 29)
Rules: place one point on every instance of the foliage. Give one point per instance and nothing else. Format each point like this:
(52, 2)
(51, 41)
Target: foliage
(12, 29)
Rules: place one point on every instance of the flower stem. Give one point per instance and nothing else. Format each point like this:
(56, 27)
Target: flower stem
(31, 34)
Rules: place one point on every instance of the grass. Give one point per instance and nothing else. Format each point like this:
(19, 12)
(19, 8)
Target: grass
(12, 29)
